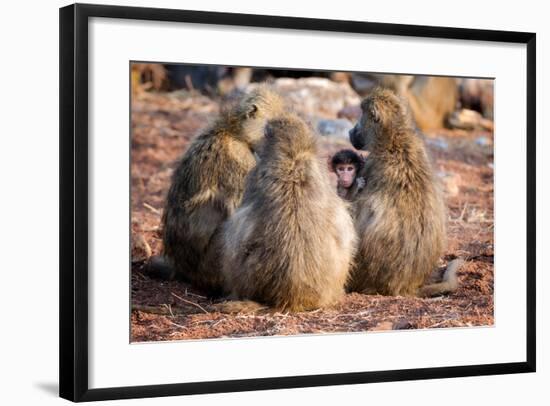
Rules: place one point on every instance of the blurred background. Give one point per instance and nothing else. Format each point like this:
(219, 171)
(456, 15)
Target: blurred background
(172, 103)
(436, 102)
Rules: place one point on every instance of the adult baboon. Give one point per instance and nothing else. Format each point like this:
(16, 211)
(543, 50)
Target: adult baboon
(290, 244)
(400, 214)
(208, 184)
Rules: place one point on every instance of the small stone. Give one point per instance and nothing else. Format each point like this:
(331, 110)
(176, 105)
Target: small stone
(140, 249)
(383, 326)
(334, 128)
(315, 96)
(482, 141)
(364, 83)
(352, 113)
(402, 325)
(466, 119)
(478, 94)
(451, 182)
(438, 143)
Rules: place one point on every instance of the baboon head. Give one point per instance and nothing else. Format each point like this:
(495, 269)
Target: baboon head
(346, 164)
(254, 110)
(287, 136)
(383, 112)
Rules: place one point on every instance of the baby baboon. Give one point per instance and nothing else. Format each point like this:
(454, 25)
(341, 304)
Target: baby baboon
(208, 184)
(400, 214)
(347, 164)
(290, 244)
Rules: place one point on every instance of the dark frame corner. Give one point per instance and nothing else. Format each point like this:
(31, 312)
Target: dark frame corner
(73, 195)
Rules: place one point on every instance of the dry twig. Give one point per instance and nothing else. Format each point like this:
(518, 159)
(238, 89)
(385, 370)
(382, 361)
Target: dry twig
(153, 209)
(190, 302)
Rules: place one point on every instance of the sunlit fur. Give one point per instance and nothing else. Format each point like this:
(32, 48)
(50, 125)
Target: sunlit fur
(207, 187)
(400, 214)
(290, 244)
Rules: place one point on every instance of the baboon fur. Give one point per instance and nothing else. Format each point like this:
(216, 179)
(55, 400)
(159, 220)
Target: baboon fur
(400, 214)
(432, 100)
(207, 186)
(290, 244)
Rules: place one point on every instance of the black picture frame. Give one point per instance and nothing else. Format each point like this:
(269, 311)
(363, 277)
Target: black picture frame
(73, 281)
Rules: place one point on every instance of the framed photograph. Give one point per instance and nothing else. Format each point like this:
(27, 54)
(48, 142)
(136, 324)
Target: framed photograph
(253, 202)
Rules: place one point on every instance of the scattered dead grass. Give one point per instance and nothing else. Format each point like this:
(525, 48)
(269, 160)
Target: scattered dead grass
(163, 125)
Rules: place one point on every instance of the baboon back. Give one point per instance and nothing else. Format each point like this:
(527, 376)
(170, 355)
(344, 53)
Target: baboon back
(206, 188)
(291, 242)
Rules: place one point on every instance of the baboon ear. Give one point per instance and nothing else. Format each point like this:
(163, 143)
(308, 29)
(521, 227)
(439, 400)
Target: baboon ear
(251, 111)
(374, 113)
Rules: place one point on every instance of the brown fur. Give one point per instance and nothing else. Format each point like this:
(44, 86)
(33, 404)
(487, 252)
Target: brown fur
(449, 283)
(207, 187)
(290, 244)
(400, 214)
(432, 99)
(348, 193)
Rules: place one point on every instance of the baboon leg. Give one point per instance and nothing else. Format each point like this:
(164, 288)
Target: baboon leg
(449, 283)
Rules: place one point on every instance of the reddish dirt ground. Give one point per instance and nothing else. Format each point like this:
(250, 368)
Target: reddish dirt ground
(162, 126)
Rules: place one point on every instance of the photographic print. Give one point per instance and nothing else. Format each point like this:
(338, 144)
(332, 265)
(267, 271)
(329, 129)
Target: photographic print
(230, 206)
(282, 202)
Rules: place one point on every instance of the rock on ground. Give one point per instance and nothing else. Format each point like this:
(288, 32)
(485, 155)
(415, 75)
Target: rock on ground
(315, 97)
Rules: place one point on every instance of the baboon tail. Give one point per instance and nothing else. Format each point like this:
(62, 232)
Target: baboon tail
(160, 267)
(240, 306)
(449, 283)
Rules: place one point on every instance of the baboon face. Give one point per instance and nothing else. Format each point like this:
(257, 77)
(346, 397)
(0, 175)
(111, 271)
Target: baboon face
(356, 139)
(361, 135)
(346, 174)
(380, 111)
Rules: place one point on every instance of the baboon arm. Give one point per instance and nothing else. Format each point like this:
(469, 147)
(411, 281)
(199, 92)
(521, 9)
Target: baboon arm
(207, 218)
(449, 283)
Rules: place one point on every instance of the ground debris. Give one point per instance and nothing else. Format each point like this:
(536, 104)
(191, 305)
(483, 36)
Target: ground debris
(162, 126)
